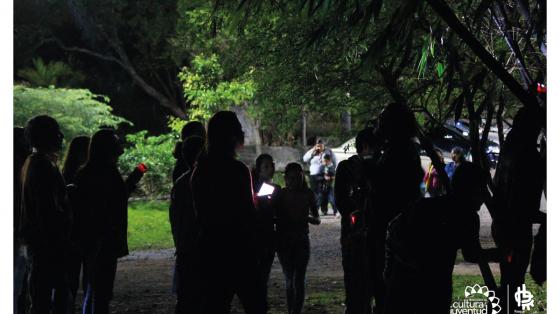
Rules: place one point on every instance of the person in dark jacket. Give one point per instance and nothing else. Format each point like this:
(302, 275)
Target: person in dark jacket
(225, 212)
(45, 217)
(76, 157)
(192, 128)
(185, 229)
(297, 208)
(21, 151)
(103, 213)
(266, 212)
(519, 181)
(422, 245)
(349, 189)
(395, 183)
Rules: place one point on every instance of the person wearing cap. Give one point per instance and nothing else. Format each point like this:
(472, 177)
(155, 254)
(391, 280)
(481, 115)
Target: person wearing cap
(314, 157)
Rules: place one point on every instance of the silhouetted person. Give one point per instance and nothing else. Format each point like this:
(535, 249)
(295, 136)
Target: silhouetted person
(21, 151)
(192, 128)
(519, 183)
(185, 230)
(422, 245)
(103, 213)
(45, 217)
(326, 191)
(395, 183)
(296, 210)
(76, 157)
(263, 173)
(349, 189)
(223, 203)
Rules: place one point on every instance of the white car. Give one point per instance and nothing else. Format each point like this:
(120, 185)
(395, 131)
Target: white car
(348, 149)
(345, 151)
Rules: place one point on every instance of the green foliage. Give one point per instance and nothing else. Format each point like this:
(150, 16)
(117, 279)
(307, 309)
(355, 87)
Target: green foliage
(78, 111)
(208, 91)
(148, 225)
(157, 153)
(54, 73)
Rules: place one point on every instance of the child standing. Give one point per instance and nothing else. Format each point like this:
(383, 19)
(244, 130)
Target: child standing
(297, 208)
(328, 171)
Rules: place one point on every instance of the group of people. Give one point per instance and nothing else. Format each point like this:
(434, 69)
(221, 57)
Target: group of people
(67, 223)
(399, 247)
(229, 222)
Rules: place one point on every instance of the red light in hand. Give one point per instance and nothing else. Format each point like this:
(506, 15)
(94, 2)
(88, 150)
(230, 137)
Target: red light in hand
(142, 167)
(353, 219)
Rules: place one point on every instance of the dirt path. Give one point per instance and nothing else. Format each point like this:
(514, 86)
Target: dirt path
(143, 283)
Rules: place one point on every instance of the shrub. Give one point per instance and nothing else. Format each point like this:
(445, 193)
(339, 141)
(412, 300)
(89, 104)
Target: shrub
(78, 111)
(157, 153)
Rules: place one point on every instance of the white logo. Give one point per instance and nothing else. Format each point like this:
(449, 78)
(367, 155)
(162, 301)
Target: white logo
(524, 298)
(478, 300)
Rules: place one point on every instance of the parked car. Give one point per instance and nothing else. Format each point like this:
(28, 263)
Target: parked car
(444, 138)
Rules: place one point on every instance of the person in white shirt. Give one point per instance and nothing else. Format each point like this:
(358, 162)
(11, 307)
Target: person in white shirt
(314, 157)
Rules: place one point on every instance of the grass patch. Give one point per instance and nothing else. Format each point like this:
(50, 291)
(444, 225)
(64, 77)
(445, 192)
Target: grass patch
(148, 225)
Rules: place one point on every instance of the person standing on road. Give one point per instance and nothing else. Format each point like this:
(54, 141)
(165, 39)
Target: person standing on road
(395, 183)
(297, 209)
(102, 208)
(422, 245)
(314, 157)
(184, 230)
(45, 217)
(349, 189)
(266, 216)
(21, 152)
(224, 206)
(519, 182)
(326, 190)
(76, 157)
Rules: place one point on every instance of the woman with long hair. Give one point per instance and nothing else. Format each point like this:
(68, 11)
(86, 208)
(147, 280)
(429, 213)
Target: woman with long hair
(263, 174)
(103, 206)
(296, 210)
(76, 156)
(225, 212)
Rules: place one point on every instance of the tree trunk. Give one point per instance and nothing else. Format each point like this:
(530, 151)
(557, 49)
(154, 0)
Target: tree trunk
(304, 128)
(346, 121)
(258, 139)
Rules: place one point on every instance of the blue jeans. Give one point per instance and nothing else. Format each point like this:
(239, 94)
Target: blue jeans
(101, 278)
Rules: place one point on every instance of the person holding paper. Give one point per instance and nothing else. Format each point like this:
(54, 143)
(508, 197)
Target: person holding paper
(267, 194)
